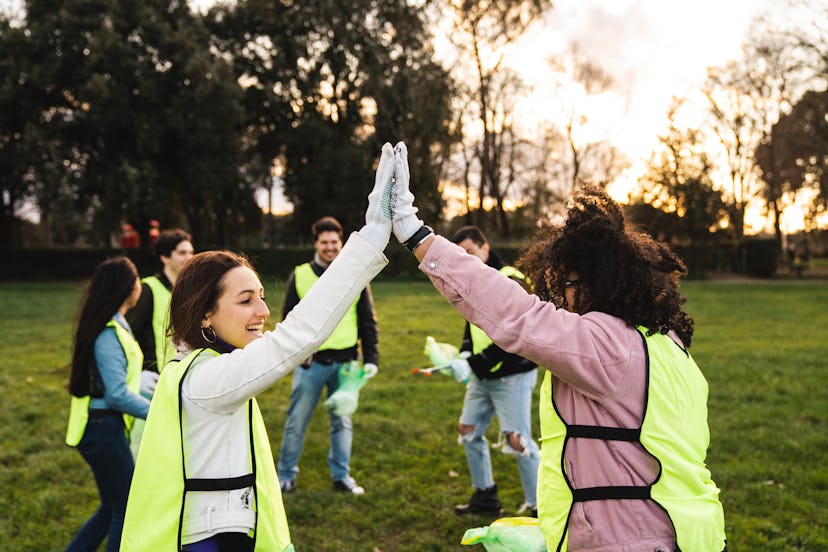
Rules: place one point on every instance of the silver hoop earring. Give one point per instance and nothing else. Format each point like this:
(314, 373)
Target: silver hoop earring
(212, 331)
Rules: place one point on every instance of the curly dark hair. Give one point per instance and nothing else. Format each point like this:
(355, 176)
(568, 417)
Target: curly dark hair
(621, 270)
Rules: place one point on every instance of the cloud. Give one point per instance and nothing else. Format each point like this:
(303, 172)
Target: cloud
(655, 49)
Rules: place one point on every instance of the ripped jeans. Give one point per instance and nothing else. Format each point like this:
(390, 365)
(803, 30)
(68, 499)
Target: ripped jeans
(511, 399)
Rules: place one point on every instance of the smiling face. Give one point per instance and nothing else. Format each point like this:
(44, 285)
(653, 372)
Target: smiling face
(328, 245)
(240, 312)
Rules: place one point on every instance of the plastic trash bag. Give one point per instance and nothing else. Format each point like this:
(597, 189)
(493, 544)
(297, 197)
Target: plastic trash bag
(444, 359)
(440, 354)
(512, 534)
(352, 378)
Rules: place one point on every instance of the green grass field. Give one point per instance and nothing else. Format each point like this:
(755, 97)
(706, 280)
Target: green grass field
(762, 347)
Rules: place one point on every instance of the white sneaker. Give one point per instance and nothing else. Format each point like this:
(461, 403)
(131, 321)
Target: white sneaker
(286, 485)
(530, 509)
(348, 485)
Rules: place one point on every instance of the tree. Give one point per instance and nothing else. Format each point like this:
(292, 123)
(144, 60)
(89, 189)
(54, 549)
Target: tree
(481, 30)
(789, 156)
(812, 39)
(145, 120)
(20, 107)
(746, 98)
(796, 155)
(578, 81)
(326, 84)
(677, 201)
(734, 122)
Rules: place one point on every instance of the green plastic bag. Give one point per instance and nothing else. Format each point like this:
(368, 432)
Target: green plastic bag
(440, 354)
(352, 378)
(515, 534)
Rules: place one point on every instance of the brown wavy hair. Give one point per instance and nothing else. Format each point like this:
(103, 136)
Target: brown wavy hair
(621, 271)
(196, 293)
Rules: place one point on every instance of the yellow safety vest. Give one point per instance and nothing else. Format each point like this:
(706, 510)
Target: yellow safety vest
(346, 334)
(159, 487)
(79, 407)
(164, 351)
(674, 432)
(479, 338)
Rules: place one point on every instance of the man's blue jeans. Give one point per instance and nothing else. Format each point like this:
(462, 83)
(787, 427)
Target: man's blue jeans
(304, 395)
(106, 449)
(511, 399)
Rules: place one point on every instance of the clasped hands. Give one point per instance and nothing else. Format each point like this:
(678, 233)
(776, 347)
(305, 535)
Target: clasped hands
(391, 203)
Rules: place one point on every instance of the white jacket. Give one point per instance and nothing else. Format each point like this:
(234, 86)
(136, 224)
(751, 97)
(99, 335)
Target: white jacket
(216, 389)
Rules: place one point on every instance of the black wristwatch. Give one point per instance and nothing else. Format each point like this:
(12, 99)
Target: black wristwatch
(418, 237)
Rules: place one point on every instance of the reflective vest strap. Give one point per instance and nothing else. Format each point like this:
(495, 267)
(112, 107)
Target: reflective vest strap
(611, 493)
(161, 296)
(251, 440)
(220, 484)
(603, 433)
(192, 357)
(214, 484)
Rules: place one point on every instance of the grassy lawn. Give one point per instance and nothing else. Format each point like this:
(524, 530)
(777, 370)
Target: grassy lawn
(761, 346)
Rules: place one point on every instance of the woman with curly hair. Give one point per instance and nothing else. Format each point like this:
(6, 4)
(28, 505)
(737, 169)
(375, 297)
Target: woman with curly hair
(623, 406)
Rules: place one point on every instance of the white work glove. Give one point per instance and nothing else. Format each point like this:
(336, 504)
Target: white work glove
(149, 380)
(370, 370)
(406, 221)
(460, 369)
(377, 229)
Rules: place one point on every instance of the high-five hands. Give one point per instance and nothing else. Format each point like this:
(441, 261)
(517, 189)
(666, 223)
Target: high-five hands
(391, 203)
(377, 229)
(406, 221)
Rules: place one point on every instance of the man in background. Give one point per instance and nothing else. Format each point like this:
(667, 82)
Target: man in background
(148, 319)
(502, 383)
(322, 370)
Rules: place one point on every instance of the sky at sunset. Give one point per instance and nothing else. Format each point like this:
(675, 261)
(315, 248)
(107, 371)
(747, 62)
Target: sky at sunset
(654, 49)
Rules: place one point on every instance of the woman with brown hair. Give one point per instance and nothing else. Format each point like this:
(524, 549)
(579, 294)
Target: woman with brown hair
(205, 480)
(623, 406)
(105, 383)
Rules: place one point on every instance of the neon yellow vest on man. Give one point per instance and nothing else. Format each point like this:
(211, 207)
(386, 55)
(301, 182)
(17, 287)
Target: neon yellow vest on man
(79, 407)
(164, 351)
(155, 508)
(673, 431)
(479, 338)
(346, 334)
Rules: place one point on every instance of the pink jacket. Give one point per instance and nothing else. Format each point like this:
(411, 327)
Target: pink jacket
(600, 365)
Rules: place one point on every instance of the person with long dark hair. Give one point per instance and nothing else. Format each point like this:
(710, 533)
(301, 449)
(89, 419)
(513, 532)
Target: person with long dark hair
(205, 480)
(105, 385)
(623, 405)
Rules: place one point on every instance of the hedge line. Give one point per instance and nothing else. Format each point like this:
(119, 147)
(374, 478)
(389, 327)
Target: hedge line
(755, 257)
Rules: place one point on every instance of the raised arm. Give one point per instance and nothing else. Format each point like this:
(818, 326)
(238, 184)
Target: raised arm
(229, 380)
